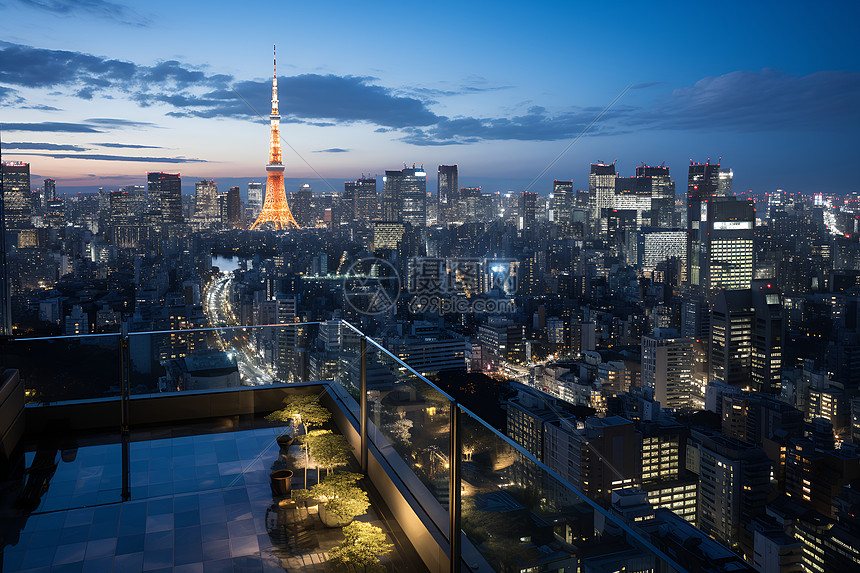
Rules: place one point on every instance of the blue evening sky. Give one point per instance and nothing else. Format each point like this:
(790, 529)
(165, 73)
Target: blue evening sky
(98, 92)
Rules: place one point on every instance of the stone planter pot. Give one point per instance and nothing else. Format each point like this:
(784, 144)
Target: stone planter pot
(329, 520)
(281, 482)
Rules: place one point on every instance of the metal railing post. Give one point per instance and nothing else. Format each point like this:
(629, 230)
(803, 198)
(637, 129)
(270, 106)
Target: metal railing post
(124, 388)
(124, 382)
(363, 403)
(454, 489)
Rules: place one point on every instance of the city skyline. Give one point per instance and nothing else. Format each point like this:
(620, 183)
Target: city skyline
(99, 103)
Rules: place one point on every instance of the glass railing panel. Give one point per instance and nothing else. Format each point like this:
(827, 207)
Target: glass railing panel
(412, 418)
(520, 515)
(201, 359)
(64, 368)
(347, 376)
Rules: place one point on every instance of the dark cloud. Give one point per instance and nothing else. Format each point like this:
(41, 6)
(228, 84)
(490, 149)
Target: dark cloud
(51, 126)
(128, 146)
(102, 8)
(41, 107)
(45, 146)
(332, 150)
(302, 98)
(741, 101)
(86, 76)
(537, 124)
(769, 100)
(116, 122)
(10, 96)
(101, 157)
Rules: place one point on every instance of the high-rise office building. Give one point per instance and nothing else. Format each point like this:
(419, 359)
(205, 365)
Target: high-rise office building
(720, 243)
(667, 368)
(562, 202)
(724, 182)
(206, 200)
(49, 192)
(527, 213)
(447, 185)
(255, 199)
(747, 339)
(165, 196)
(659, 184)
(732, 324)
(360, 200)
(656, 245)
(234, 207)
(605, 456)
(404, 196)
(16, 194)
(601, 192)
(734, 482)
(703, 180)
(301, 206)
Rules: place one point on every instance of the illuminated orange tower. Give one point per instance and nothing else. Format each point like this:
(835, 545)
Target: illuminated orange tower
(275, 208)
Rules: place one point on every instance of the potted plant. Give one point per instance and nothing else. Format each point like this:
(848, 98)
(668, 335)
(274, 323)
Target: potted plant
(298, 411)
(361, 548)
(329, 450)
(340, 499)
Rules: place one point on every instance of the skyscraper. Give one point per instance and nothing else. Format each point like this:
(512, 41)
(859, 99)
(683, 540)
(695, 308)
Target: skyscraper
(662, 190)
(360, 200)
(276, 212)
(601, 192)
(16, 194)
(234, 207)
(165, 196)
(720, 235)
(527, 210)
(255, 198)
(703, 180)
(404, 196)
(734, 482)
(562, 202)
(724, 182)
(447, 185)
(206, 200)
(50, 191)
(302, 210)
(667, 368)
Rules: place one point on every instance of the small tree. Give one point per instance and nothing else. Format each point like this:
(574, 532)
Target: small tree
(362, 546)
(343, 499)
(330, 451)
(304, 409)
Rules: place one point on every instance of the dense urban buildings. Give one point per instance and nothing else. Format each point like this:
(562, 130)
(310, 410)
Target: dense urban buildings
(688, 364)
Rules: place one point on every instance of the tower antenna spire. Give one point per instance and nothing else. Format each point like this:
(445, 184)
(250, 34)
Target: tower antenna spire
(275, 210)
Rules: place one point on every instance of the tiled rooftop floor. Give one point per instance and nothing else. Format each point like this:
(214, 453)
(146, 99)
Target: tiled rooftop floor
(198, 503)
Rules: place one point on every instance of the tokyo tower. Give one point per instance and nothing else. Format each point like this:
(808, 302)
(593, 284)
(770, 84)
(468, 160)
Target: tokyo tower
(275, 209)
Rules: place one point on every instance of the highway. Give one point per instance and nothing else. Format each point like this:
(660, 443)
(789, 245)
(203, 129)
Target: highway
(239, 341)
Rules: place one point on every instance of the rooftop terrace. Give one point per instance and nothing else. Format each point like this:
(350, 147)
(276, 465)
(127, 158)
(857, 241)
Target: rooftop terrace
(178, 480)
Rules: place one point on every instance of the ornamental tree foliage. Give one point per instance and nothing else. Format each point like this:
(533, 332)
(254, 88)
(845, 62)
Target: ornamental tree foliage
(362, 546)
(328, 449)
(342, 498)
(304, 409)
